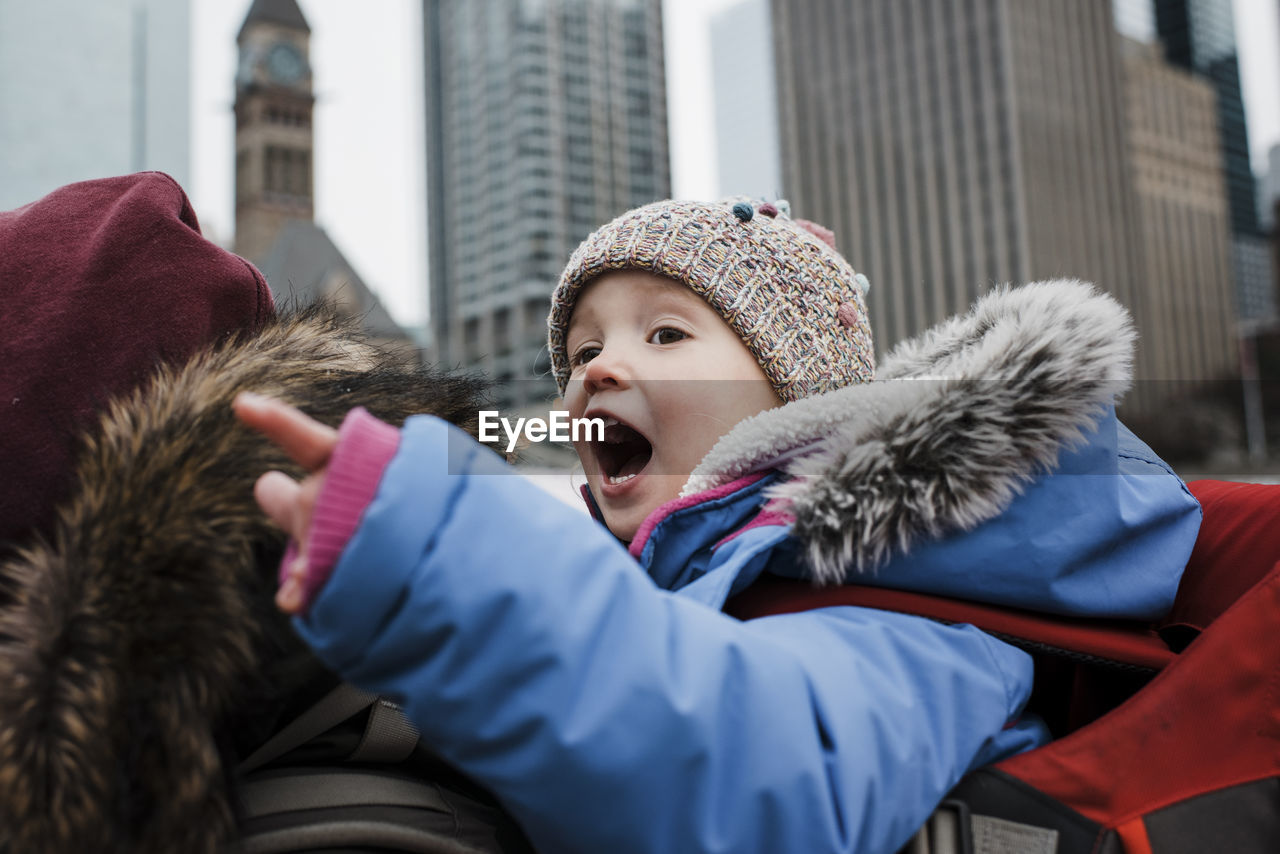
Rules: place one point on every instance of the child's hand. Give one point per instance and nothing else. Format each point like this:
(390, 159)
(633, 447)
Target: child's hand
(289, 503)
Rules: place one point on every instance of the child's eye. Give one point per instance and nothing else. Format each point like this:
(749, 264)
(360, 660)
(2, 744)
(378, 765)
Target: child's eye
(586, 354)
(667, 335)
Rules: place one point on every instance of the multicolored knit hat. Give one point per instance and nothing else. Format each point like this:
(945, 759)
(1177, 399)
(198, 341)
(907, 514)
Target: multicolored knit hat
(778, 282)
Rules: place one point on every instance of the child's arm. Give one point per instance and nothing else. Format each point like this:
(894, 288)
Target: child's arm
(607, 714)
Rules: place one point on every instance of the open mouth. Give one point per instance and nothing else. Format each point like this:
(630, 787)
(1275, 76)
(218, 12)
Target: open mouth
(623, 453)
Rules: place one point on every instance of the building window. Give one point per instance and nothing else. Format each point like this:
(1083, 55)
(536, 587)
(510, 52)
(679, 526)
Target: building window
(242, 175)
(502, 331)
(288, 171)
(471, 338)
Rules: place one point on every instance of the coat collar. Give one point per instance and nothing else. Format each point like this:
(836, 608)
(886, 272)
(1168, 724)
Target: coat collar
(674, 544)
(956, 423)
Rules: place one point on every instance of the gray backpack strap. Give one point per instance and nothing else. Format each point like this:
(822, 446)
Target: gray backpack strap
(370, 806)
(388, 739)
(335, 707)
(286, 790)
(344, 808)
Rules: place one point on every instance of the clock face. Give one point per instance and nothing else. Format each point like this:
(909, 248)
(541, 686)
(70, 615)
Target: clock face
(285, 63)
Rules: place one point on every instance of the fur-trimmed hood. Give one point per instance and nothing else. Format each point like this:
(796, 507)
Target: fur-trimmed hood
(958, 420)
(140, 651)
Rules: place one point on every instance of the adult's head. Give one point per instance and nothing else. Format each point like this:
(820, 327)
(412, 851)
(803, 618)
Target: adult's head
(100, 282)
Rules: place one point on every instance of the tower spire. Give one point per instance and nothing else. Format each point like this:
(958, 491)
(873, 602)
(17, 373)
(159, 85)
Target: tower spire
(283, 12)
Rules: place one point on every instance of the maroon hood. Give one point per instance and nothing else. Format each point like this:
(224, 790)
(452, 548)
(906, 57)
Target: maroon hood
(100, 282)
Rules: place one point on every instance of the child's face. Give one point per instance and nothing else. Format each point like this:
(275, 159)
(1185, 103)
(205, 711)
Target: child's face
(648, 352)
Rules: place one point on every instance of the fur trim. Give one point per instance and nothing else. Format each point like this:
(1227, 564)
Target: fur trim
(957, 422)
(140, 653)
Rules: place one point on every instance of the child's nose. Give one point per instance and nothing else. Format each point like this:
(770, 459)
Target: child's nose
(607, 370)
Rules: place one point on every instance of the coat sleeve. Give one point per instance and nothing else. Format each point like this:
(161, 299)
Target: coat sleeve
(610, 715)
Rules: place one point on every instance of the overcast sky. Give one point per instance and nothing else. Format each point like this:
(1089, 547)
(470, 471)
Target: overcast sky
(369, 136)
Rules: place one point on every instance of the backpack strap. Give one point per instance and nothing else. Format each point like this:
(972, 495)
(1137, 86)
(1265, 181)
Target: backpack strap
(388, 736)
(1114, 644)
(291, 810)
(372, 805)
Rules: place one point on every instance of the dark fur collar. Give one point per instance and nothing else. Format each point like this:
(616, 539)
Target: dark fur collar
(140, 652)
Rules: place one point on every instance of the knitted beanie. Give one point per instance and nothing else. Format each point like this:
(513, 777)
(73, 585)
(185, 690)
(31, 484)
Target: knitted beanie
(100, 283)
(779, 284)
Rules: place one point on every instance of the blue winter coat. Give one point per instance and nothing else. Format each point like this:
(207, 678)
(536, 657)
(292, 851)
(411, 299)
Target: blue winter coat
(612, 707)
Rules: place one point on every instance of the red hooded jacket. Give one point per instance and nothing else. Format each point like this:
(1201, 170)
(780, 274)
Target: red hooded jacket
(100, 282)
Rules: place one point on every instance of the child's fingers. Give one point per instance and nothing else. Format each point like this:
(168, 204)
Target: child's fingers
(307, 442)
(280, 497)
(289, 596)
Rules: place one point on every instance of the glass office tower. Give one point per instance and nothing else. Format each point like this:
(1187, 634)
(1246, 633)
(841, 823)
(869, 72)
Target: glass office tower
(544, 120)
(1199, 35)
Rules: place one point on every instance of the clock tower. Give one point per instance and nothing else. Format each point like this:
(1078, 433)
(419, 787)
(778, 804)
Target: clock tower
(274, 140)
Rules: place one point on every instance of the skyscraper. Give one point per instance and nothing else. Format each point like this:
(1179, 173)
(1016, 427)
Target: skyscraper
(1269, 190)
(544, 119)
(955, 145)
(89, 90)
(1271, 203)
(1185, 220)
(1199, 35)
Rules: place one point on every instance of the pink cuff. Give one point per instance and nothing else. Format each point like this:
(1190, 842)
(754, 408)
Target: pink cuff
(365, 448)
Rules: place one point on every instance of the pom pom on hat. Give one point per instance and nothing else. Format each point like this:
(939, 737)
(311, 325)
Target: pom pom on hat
(821, 232)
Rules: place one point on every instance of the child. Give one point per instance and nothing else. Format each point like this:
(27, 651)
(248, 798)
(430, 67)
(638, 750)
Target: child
(587, 675)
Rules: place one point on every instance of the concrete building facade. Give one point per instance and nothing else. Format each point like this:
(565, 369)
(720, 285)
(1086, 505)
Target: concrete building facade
(952, 146)
(1185, 220)
(544, 119)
